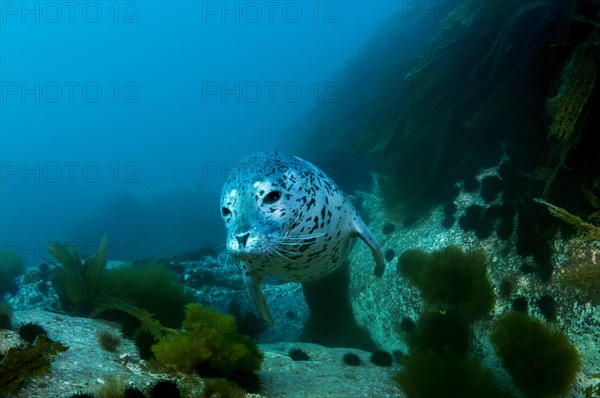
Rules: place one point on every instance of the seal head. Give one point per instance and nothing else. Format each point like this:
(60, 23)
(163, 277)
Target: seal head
(285, 217)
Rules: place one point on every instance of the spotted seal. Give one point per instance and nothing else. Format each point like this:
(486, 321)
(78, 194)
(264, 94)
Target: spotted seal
(285, 217)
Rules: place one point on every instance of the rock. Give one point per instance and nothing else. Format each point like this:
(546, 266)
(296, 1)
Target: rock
(215, 285)
(324, 375)
(85, 367)
(380, 304)
(286, 302)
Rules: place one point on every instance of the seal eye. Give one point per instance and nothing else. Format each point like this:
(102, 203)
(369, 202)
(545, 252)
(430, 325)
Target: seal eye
(225, 211)
(272, 197)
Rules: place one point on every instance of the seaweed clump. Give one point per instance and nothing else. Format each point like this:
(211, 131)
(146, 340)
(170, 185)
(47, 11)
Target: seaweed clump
(210, 337)
(439, 365)
(22, 363)
(428, 374)
(457, 291)
(151, 286)
(87, 288)
(451, 279)
(542, 362)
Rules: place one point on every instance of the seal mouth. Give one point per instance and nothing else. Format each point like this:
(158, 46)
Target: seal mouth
(238, 254)
(245, 254)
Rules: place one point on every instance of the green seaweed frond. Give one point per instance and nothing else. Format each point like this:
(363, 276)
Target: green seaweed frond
(587, 231)
(148, 322)
(208, 337)
(75, 281)
(22, 363)
(579, 79)
(94, 267)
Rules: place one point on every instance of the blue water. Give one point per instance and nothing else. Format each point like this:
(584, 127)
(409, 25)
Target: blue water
(123, 117)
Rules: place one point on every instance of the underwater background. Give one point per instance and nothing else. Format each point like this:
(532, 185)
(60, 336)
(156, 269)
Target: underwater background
(467, 133)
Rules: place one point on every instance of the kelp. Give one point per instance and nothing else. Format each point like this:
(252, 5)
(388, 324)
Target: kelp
(94, 267)
(477, 90)
(87, 288)
(472, 61)
(21, 363)
(570, 107)
(582, 275)
(587, 231)
(76, 281)
(491, 60)
(579, 80)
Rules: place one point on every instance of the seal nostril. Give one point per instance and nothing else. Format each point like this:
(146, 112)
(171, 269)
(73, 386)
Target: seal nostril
(243, 238)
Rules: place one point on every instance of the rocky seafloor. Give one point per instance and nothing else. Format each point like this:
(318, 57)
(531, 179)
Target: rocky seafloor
(378, 305)
(85, 367)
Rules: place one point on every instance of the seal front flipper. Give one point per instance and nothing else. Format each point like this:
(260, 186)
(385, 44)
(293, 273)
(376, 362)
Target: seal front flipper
(365, 234)
(252, 282)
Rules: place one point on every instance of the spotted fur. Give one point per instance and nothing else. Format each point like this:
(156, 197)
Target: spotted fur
(285, 217)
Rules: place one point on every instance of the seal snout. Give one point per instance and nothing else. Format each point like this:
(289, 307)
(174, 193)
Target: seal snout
(243, 245)
(242, 239)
